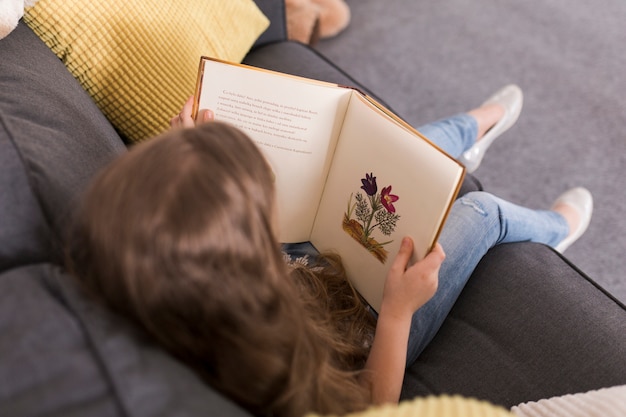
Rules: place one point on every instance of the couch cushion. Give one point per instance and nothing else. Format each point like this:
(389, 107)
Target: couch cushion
(53, 138)
(277, 30)
(298, 59)
(47, 367)
(528, 325)
(24, 233)
(62, 355)
(139, 59)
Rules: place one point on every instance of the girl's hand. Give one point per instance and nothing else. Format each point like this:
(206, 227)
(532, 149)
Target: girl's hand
(406, 290)
(409, 288)
(184, 119)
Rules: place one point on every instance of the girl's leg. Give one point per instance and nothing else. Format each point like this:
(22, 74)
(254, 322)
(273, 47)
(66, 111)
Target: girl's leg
(458, 134)
(477, 222)
(454, 134)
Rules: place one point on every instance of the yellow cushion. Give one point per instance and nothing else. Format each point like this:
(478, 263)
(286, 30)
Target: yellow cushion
(435, 406)
(139, 59)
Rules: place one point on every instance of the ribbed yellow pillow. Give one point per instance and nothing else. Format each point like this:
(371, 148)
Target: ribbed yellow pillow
(435, 406)
(139, 59)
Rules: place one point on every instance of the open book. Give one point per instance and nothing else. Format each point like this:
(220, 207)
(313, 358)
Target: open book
(351, 177)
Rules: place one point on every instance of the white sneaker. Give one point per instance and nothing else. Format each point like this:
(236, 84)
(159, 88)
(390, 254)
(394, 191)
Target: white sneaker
(580, 199)
(511, 98)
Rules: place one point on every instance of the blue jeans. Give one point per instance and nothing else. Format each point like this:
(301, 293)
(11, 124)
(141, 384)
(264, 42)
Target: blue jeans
(477, 222)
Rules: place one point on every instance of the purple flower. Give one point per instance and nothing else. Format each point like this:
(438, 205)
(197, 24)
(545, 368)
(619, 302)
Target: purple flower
(387, 199)
(369, 184)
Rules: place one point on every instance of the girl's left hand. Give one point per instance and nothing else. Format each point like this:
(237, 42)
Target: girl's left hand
(184, 119)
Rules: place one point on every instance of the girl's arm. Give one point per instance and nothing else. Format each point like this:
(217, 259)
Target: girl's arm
(406, 290)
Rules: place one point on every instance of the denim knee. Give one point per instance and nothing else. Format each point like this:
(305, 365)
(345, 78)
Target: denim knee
(483, 217)
(482, 202)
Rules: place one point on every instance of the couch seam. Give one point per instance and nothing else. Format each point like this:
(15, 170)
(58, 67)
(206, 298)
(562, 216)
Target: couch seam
(587, 277)
(53, 239)
(90, 340)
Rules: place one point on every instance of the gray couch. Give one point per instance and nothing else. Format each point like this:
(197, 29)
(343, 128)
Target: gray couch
(529, 324)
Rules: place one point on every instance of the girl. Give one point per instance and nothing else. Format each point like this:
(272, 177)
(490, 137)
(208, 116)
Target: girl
(178, 235)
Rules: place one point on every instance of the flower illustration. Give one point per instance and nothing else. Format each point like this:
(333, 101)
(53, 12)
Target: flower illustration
(369, 184)
(372, 211)
(387, 199)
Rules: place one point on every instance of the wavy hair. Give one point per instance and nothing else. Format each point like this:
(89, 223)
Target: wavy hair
(177, 235)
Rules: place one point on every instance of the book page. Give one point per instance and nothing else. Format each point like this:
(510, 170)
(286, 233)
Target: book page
(294, 121)
(386, 182)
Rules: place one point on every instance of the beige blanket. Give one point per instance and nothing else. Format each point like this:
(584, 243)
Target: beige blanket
(607, 402)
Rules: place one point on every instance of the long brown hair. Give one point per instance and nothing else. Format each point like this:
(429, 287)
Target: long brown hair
(178, 236)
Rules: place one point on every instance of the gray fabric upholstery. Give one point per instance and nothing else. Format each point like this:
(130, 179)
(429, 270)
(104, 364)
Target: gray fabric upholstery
(47, 367)
(59, 134)
(26, 238)
(303, 61)
(529, 325)
(275, 12)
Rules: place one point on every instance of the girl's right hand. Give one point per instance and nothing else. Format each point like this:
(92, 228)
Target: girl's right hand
(407, 288)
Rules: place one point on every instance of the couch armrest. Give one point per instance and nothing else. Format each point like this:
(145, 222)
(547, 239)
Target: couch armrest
(274, 10)
(61, 139)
